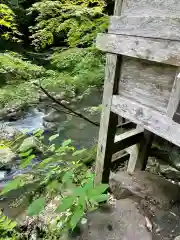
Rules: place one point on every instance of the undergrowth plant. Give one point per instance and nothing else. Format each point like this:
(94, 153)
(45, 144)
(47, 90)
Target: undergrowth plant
(60, 174)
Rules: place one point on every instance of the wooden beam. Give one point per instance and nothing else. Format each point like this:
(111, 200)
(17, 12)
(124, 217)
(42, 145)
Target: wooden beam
(151, 26)
(158, 50)
(175, 96)
(127, 139)
(150, 119)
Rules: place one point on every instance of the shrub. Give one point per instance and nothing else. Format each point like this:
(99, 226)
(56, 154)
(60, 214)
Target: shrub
(59, 175)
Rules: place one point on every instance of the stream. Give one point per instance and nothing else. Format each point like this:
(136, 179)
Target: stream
(83, 135)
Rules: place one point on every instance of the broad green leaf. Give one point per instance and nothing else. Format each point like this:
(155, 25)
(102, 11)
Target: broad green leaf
(99, 198)
(78, 152)
(79, 191)
(27, 161)
(53, 137)
(76, 217)
(36, 207)
(38, 132)
(12, 185)
(65, 204)
(52, 148)
(46, 161)
(66, 143)
(97, 190)
(68, 177)
(89, 185)
(25, 154)
(82, 201)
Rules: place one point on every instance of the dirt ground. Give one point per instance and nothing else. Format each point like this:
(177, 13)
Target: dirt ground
(146, 207)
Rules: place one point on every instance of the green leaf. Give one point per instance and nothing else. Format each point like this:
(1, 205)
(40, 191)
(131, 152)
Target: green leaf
(36, 207)
(26, 154)
(66, 143)
(53, 137)
(97, 190)
(89, 185)
(68, 177)
(79, 152)
(82, 201)
(79, 191)
(99, 198)
(65, 204)
(38, 132)
(27, 161)
(76, 217)
(12, 185)
(46, 161)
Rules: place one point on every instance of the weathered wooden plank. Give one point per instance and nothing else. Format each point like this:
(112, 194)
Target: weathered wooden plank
(144, 150)
(150, 119)
(149, 83)
(133, 162)
(176, 116)
(166, 27)
(109, 121)
(127, 139)
(150, 7)
(118, 7)
(175, 96)
(158, 50)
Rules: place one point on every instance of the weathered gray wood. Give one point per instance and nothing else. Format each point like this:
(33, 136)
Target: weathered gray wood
(133, 163)
(144, 150)
(146, 82)
(175, 96)
(127, 139)
(118, 7)
(150, 119)
(158, 50)
(151, 7)
(166, 27)
(109, 121)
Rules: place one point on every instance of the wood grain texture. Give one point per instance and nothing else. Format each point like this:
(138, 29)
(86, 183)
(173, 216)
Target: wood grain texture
(127, 139)
(175, 96)
(146, 82)
(118, 7)
(166, 27)
(165, 51)
(150, 119)
(151, 7)
(109, 121)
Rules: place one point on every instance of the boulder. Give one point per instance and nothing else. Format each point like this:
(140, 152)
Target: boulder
(7, 132)
(30, 143)
(55, 116)
(6, 156)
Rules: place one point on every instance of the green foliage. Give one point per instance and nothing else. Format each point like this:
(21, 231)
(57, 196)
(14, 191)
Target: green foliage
(7, 228)
(60, 175)
(8, 26)
(78, 21)
(14, 68)
(86, 66)
(72, 69)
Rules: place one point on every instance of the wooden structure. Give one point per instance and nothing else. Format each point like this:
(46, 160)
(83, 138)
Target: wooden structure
(142, 80)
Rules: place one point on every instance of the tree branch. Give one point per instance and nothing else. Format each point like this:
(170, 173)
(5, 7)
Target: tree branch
(65, 107)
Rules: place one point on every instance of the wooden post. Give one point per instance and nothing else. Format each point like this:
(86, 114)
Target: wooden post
(109, 120)
(139, 153)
